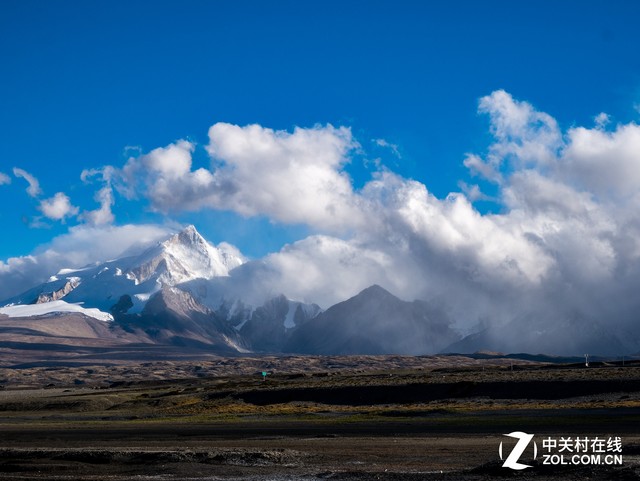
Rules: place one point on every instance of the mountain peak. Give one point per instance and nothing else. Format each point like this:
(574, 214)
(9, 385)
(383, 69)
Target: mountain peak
(184, 256)
(188, 236)
(375, 290)
(374, 322)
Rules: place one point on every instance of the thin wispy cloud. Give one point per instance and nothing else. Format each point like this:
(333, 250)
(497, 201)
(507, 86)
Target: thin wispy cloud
(104, 196)
(392, 147)
(33, 189)
(102, 215)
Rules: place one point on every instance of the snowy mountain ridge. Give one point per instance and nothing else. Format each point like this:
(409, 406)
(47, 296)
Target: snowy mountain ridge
(179, 290)
(182, 257)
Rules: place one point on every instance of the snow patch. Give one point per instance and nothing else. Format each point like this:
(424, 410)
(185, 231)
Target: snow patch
(64, 272)
(231, 343)
(143, 297)
(133, 278)
(31, 310)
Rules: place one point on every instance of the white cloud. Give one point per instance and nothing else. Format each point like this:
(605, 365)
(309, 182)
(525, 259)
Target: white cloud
(524, 137)
(605, 163)
(4, 179)
(602, 120)
(398, 234)
(103, 214)
(58, 207)
(104, 196)
(390, 146)
(171, 161)
(289, 177)
(324, 269)
(164, 176)
(105, 174)
(473, 192)
(487, 169)
(34, 189)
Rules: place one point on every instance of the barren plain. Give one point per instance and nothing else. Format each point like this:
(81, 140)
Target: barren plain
(310, 418)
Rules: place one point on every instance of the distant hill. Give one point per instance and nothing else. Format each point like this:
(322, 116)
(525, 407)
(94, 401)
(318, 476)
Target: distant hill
(374, 322)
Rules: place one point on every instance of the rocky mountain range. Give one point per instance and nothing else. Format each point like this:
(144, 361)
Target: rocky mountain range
(186, 293)
(182, 292)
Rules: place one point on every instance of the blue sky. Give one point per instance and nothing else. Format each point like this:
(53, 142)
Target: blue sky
(89, 84)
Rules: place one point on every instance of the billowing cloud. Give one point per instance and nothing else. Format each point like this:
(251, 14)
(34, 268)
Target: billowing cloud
(4, 179)
(164, 176)
(524, 137)
(58, 207)
(34, 189)
(565, 246)
(350, 266)
(605, 163)
(289, 177)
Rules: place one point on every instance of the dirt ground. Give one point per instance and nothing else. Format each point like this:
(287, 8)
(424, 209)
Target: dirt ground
(352, 423)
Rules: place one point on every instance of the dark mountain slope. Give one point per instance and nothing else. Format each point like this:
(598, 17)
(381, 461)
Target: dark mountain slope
(374, 322)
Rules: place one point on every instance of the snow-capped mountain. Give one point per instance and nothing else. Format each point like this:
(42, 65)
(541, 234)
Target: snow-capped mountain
(178, 291)
(182, 257)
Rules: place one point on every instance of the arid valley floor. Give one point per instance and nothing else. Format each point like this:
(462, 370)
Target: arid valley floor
(338, 418)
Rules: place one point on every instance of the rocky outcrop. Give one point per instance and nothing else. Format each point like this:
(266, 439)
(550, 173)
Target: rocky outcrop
(173, 316)
(69, 286)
